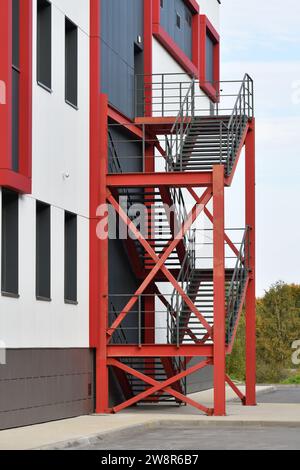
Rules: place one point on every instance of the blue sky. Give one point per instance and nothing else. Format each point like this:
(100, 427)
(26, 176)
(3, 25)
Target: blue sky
(263, 39)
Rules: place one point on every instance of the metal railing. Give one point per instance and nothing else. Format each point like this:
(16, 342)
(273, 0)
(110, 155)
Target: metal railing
(237, 285)
(172, 95)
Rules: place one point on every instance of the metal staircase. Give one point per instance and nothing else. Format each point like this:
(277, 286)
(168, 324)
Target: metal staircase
(193, 143)
(200, 289)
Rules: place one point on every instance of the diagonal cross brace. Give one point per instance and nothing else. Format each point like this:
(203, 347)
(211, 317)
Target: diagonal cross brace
(197, 209)
(157, 386)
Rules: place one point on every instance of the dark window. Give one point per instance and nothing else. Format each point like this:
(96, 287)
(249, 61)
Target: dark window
(188, 18)
(10, 243)
(43, 251)
(44, 43)
(209, 59)
(16, 33)
(178, 20)
(70, 257)
(161, 3)
(71, 66)
(15, 82)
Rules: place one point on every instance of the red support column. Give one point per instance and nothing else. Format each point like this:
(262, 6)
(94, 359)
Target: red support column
(250, 296)
(102, 380)
(219, 292)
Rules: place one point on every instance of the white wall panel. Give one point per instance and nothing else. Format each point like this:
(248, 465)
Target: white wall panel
(60, 145)
(26, 322)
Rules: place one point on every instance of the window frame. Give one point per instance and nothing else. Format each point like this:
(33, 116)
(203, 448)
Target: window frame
(5, 237)
(211, 89)
(40, 257)
(70, 216)
(46, 86)
(74, 28)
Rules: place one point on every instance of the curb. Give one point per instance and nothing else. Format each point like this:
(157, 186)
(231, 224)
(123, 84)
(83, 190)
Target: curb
(95, 439)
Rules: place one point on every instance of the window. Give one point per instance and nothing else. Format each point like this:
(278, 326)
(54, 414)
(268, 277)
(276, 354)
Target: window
(15, 82)
(178, 20)
(209, 59)
(70, 258)
(10, 243)
(71, 67)
(161, 3)
(188, 18)
(43, 251)
(44, 46)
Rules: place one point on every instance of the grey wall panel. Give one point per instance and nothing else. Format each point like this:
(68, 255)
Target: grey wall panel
(122, 281)
(121, 24)
(183, 35)
(201, 380)
(38, 385)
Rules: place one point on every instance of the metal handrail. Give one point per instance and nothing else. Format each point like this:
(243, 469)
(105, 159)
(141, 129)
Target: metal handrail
(237, 284)
(242, 110)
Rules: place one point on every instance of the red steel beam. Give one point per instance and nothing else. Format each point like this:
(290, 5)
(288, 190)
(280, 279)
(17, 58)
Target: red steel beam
(251, 294)
(159, 350)
(235, 389)
(154, 180)
(219, 292)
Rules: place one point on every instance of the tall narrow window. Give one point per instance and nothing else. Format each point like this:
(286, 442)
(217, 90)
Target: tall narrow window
(70, 257)
(209, 59)
(10, 243)
(44, 47)
(15, 82)
(71, 66)
(43, 251)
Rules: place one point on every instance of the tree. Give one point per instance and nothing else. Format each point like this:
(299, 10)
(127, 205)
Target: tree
(278, 326)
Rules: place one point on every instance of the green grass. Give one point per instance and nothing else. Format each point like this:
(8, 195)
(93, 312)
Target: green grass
(295, 380)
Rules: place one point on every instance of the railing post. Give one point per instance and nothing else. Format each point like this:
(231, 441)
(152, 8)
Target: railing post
(193, 99)
(140, 320)
(163, 95)
(144, 148)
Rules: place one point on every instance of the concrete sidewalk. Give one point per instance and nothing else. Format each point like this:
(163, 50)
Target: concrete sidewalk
(86, 430)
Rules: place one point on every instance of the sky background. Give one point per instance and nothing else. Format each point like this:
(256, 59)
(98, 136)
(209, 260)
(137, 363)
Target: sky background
(262, 38)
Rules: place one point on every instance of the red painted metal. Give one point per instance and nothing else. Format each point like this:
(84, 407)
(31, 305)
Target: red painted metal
(250, 296)
(211, 89)
(19, 181)
(159, 350)
(25, 126)
(157, 386)
(6, 77)
(153, 180)
(119, 118)
(219, 291)
(98, 248)
(235, 389)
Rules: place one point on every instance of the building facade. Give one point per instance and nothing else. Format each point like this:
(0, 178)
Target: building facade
(91, 90)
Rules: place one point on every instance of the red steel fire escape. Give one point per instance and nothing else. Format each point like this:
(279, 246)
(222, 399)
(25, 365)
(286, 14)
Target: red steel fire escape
(192, 282)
